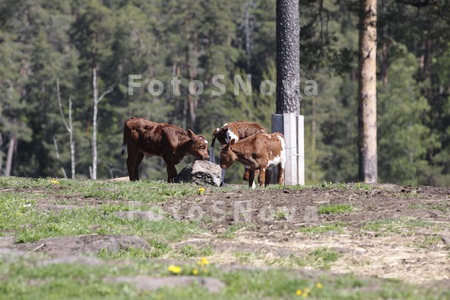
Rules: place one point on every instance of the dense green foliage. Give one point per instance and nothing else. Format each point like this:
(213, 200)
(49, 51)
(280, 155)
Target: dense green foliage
(42, 41)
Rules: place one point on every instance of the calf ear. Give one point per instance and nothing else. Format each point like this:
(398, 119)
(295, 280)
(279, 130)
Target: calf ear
(134, 134)
(191, 134)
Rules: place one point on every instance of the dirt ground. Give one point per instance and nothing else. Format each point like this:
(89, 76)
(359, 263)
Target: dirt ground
(391, 231)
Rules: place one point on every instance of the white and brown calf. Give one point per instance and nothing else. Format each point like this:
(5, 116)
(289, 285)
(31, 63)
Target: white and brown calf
(234, 130)
(259, 152)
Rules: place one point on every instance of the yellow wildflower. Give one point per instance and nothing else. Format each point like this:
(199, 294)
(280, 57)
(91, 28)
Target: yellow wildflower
(195, 272)
(298, 292)
(203, 261)
(201, 191)
(54, 181)
(306, 292)
(174, 269)
(319, 285)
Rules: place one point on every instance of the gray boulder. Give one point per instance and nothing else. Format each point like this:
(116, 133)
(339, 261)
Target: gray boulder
(201, 172)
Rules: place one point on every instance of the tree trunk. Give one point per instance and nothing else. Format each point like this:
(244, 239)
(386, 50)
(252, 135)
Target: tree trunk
(248, 29)
(288, 57)
(1, 155)
(367, 101)
(286, 119)
(72, 142)
(69, 128)
(384, 63)
(191, 74)
(97, 100)
(55, 143)
(9, 157)
(94, 126)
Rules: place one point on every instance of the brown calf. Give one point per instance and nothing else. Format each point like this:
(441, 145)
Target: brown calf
(234, 130)
(259, 152)
(172, 143)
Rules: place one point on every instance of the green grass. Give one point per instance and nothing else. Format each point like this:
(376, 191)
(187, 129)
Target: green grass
(194, 251)
(320, 258)
(443, 207)
(323, 256)
(24, 278)
(244, 257)
(343, 185)
(141, 191)
(327, 186)
(429, 241)
(231, 230)
(398, 226)
(334, 208)
(410, 194)
(28, 223)
(281, 215)
(21, 217)
(70, 281)
(336, 226)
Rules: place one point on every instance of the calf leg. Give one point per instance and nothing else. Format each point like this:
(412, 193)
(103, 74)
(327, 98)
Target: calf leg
(222, 183)
(262, 177)
(139, 158)
(131, 161)
(280, 174)
(130, 167)
(170, 167)
(251, 179)
(268, 176)
(257, 174)
(171, 172)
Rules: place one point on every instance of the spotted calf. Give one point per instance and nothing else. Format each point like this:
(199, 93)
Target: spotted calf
(259, 152)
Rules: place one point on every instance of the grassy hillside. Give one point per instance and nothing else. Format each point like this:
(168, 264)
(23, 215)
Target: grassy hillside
(35, 209)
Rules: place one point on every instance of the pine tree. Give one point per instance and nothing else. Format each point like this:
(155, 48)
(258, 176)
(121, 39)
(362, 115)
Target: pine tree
(403, 138)
(367, 101)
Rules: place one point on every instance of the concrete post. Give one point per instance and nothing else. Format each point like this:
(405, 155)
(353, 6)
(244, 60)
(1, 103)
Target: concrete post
(301, 149)
(292, 127)
(290, 136)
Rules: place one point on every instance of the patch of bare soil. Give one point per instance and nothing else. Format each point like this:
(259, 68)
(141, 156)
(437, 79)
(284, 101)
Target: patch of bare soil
(391, 231)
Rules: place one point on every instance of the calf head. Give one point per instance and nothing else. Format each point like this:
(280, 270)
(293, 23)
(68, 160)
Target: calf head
(225, 134)
(199, 146)
(227, 156)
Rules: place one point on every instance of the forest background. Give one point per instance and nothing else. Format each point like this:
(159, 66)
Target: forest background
(53, 48)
